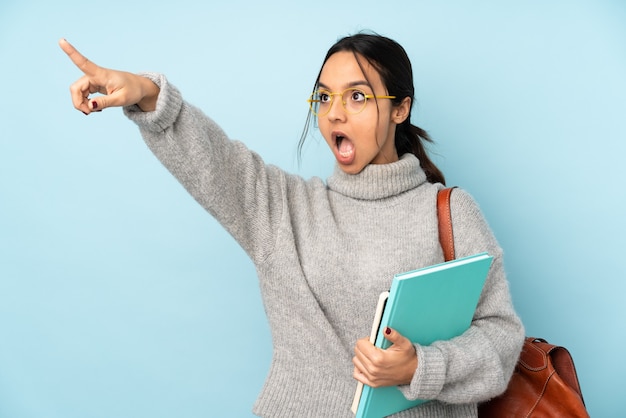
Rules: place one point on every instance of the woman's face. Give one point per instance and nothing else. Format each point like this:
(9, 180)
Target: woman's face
(365, 138)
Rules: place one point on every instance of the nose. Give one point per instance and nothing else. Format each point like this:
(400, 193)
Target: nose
(336, 111)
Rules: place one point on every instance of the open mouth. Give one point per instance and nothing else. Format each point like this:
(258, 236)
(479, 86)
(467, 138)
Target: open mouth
(345, 147)
(338, 140)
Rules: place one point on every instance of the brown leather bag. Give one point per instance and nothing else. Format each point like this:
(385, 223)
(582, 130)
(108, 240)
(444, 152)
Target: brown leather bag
(544, 383)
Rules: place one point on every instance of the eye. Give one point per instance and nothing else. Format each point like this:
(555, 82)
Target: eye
(323, 96)
(357, 96)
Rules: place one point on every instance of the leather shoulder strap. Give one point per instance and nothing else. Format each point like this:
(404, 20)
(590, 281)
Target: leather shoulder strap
(446, 238)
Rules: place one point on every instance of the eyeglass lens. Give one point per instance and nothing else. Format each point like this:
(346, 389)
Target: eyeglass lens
(352, 100)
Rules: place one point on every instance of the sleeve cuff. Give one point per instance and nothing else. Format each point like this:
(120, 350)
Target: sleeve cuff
(169, 104)
(429, 377)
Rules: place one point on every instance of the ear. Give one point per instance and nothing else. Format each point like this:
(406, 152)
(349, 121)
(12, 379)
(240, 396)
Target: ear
(401, 111)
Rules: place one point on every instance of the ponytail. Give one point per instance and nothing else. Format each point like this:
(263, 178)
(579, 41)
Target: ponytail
(410, 139)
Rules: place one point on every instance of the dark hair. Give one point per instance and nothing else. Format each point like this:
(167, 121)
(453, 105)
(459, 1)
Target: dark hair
(392, 63)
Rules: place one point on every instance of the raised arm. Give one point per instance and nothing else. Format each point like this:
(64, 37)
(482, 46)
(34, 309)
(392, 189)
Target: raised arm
(118, 88)
(232, 183)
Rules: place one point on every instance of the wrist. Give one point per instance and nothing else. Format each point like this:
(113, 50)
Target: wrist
(150, 96)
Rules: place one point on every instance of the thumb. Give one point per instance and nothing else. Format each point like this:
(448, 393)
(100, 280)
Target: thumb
(100, 102)
(395, 337)
(95, 104)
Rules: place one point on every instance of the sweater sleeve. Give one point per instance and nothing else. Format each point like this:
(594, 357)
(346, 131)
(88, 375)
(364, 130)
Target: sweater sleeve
(226, 178)
(477, 365)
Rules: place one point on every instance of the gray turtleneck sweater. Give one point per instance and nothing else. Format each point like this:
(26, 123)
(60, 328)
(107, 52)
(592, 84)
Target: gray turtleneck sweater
(323, 252)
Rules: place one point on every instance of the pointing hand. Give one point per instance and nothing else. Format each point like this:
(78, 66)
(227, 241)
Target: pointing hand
(117, 88)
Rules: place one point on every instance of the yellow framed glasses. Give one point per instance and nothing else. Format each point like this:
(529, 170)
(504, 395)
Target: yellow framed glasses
(353, 100)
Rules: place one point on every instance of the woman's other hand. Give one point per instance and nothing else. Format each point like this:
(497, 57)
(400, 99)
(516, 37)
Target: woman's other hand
(118, 88)
(391, 367)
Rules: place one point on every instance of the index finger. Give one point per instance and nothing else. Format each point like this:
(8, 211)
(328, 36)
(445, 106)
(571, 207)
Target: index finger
(86, 66)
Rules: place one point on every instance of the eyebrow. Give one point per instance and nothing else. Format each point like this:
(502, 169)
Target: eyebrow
(351, 84)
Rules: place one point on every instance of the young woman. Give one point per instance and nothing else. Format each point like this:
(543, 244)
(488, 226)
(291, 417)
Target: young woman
(324, 250)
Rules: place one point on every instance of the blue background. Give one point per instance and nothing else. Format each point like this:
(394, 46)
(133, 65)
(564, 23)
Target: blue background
(121, 297)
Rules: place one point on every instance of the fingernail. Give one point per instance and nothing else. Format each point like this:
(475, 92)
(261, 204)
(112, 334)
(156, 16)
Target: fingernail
(94, 104)
(387, 330)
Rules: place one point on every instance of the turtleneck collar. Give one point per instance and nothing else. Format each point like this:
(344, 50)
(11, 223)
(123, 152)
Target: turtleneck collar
(379, 181)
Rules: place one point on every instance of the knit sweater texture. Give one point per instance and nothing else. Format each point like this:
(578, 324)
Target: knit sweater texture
(323, 252)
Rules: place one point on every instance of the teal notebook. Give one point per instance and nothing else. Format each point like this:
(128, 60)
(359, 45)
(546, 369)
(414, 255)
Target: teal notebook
(426, 305)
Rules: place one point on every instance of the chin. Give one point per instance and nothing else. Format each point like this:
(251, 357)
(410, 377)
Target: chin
(351, 169)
